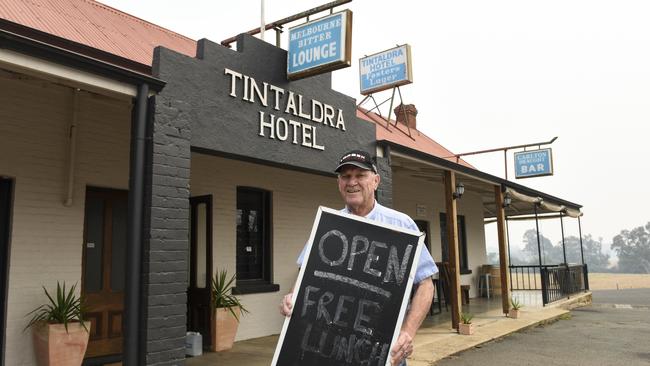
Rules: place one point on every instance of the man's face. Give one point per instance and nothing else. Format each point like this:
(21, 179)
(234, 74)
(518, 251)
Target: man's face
(357, 187)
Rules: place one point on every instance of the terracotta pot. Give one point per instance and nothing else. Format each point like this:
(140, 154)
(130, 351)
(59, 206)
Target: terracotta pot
(225, 329)
(465, 329)
(514, 314)
(54, 346)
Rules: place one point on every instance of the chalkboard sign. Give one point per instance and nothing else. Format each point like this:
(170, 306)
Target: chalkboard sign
(351, 293)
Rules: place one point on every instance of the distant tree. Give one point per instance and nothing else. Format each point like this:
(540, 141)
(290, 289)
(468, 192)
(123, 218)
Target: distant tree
(596, 260)
(633, 249)
(550, 254)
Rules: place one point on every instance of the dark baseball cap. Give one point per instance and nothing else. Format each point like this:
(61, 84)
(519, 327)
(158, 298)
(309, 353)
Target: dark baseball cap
(358, 158)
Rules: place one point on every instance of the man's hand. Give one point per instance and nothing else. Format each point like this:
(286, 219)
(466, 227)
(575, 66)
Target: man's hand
(419, 309)
(286, 306)
(402, 349)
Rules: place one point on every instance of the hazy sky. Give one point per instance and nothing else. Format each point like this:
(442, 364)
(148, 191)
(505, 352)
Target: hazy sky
(499, 73)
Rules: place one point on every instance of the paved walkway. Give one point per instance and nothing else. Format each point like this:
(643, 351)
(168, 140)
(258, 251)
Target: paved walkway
(434, 341)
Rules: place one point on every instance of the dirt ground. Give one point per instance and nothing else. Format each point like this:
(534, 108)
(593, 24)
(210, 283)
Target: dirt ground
(613, 281)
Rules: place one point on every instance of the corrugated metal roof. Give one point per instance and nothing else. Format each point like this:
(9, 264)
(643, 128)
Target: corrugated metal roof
(417, 141)
(96, 25)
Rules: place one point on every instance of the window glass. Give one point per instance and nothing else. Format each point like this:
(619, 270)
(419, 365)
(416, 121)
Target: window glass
(201, 245)
(94, 245)
(118, 248)
(253, 242)
(462, 241)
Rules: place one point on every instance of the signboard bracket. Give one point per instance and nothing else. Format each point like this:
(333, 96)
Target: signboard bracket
(505, 152)
(390, 109)
(279, 23)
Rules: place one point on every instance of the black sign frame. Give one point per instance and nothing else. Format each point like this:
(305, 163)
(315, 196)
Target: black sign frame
(387, 326)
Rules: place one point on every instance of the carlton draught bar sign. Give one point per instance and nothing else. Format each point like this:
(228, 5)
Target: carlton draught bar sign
(320, 46)
(535, 163)
(385, 70)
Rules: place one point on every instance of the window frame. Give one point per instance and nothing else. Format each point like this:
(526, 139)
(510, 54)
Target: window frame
(263, 284)
(462, 242)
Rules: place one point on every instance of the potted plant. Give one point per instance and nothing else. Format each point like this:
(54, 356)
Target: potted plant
(59, 333)
(515, 309)
(228, 309)
(465, 326)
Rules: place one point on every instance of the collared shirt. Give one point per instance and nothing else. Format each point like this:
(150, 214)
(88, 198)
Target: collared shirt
(426, 266)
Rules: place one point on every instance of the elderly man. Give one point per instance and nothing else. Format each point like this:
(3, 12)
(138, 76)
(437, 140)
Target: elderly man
(358, 180)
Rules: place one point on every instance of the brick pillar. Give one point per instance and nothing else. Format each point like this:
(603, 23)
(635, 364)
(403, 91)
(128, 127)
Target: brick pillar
(385, 190)
(166, 236)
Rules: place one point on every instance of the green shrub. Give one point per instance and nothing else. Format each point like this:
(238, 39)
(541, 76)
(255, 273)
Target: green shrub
(466, 318)
(65, 308)
(222, 296)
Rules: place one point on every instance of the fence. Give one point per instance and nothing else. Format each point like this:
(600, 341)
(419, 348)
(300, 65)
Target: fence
(555, 281)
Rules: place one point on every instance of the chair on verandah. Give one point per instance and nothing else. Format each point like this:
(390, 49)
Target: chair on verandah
(441, 286)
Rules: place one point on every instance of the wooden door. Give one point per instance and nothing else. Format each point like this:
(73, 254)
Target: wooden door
(5, 220)
(103, 276)
(199, 309)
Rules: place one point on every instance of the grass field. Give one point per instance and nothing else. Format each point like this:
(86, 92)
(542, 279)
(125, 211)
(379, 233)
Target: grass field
(597, 281)
(613, 281)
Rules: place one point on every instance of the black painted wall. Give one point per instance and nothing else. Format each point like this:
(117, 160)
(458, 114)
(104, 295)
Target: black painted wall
(226, 125)
(195, 111)
(166, 221)
(385, 190)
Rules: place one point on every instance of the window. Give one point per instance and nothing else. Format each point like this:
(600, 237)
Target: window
(253, 241)
(462, 242)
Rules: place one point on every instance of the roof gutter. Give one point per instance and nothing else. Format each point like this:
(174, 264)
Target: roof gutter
(444, 163)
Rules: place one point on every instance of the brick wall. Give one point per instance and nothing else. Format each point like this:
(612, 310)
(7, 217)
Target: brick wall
(385, 190)
(47, 237)
(166, 235)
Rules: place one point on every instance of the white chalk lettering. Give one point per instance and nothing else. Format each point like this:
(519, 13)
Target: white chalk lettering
(394, 266)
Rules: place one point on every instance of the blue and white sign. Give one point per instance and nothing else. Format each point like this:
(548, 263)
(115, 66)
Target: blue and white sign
(534, 163)
(385, 70)
(320, 46)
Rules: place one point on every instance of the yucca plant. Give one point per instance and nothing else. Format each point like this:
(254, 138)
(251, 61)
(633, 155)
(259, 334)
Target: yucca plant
(222, 296)
(65, 308)
(466, 318)
(516, 304)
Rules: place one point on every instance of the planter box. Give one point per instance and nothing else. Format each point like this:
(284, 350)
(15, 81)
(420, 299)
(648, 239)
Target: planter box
(465, 329)
(225, 329)
(514, 314)
(54, 346)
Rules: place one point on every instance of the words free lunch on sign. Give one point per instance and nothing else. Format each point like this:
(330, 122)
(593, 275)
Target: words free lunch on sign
(352, 292)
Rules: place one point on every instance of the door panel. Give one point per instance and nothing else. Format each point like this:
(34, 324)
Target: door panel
(5, 223)
(199, 309)
(104, 249)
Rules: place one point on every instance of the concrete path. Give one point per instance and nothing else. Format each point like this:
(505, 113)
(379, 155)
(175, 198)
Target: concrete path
(597, 335)
(435, 339)
(433, 344)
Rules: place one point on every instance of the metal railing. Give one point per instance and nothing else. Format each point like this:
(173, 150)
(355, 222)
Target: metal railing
(561, 282)
(524, 278)
(554, 281)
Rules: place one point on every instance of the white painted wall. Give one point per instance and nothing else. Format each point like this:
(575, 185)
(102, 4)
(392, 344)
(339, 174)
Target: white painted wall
(409, 192)
(295, 200)
(46, 239)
